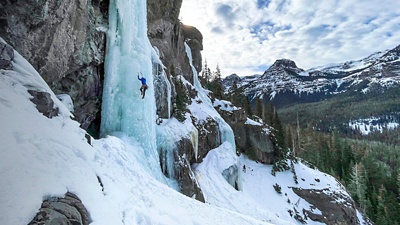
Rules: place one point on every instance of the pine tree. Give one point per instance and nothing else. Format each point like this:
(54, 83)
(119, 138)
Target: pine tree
(358, 186)
(269, 113)
(219, 88)
(259, 108)
(206, 73)
(247, 106)
(279, 133)
(234, 97)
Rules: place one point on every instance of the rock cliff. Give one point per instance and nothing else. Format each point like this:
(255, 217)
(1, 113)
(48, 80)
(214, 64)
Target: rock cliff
(168, 35)
(254, 139)
(64, 41)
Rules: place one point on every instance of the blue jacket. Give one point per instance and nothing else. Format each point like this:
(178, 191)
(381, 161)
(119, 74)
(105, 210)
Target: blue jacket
(143, 80)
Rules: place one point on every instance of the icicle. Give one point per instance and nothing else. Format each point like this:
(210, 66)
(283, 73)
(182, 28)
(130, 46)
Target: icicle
(195, 141)
(158, 67)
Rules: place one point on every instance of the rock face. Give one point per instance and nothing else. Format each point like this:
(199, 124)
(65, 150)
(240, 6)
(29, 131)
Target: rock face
(254, 140)
(185, 175)
(64, 41)
(6, 56)
(168, 35)
(209, 137)
(336, 208)
(67, 210)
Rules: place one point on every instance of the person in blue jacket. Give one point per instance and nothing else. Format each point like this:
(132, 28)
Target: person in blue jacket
(144, 86)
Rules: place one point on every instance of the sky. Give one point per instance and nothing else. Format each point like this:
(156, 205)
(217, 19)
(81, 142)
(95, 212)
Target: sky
(246, 37)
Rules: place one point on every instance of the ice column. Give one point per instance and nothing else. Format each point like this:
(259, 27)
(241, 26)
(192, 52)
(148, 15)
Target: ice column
(129, 53)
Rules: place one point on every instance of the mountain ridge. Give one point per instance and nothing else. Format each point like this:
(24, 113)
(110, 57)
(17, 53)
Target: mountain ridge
(322, 82)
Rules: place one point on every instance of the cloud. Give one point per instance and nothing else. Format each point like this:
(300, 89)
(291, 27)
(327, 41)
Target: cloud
(225, 12)
(244, 37)
(217, 30)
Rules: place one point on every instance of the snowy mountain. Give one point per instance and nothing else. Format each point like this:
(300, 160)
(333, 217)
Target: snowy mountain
(284, 83)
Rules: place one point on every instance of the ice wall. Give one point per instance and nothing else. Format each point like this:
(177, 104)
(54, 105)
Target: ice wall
(129, 52)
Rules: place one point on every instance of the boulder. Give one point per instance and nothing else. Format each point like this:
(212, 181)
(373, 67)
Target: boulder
(336, 207)
(60, 211)
(44, 103)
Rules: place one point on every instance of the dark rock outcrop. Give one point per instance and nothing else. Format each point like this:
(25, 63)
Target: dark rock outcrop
(175, 163)
(67, 210)
(194, 39)
(64, 41)
(185, 175)
(6, 56)
(209, 137)
(254, 140)
(168, 35)
(336, 208)
(44, 103)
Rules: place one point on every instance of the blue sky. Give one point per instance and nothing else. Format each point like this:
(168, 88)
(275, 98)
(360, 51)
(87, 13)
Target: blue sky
(247, 36)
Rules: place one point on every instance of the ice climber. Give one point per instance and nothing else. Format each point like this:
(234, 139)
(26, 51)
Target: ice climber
(144, 86)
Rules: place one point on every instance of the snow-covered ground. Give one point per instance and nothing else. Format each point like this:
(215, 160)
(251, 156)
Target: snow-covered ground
(367, 126)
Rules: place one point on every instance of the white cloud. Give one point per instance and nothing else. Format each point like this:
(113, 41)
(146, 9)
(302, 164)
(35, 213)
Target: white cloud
(244, 36)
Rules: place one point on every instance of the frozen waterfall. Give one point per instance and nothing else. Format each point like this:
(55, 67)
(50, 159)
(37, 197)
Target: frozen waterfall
(226, 130)
(233, 174)
(128, 53)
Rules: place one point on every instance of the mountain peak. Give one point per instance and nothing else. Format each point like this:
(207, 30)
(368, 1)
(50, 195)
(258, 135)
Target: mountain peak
(285, 63)
(284, 67)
